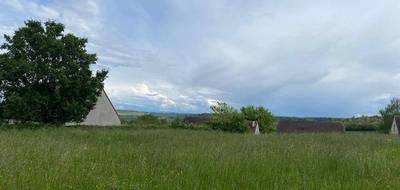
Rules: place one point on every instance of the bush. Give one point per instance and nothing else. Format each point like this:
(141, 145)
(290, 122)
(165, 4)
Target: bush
(233, 122)
(226, 118)
(149, 119)
(2, 123)
(355, 127)
(392, 109)
(179, 123)
(29, 125)
(264, 117)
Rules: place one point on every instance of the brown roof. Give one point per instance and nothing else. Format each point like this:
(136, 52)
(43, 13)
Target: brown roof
(303, 126)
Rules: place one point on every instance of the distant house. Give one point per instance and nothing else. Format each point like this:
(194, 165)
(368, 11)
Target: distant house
(395, 125)
(303, 126)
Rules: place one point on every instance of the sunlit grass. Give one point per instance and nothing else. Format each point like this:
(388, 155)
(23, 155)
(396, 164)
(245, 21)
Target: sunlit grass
(73, 158)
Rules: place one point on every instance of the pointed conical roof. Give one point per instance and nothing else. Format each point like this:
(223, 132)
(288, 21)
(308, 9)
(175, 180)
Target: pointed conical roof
(103, 113)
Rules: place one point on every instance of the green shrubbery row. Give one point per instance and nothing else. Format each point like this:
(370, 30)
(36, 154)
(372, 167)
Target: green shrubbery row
(28, 125)
(223, 118)
(361, 127)
(155, 122)
(227, 118)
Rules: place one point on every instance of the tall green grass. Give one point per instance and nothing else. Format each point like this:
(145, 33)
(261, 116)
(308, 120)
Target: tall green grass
(76, 158)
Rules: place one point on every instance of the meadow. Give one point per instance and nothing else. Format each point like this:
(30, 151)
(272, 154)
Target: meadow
(120, 158)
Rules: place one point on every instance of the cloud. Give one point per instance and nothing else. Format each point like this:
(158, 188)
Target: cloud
(31, 9)
(302, 58)
(159, 97)
(212, 102)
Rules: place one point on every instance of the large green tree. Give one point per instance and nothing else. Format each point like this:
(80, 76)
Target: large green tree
(392, 109)
(45, 75)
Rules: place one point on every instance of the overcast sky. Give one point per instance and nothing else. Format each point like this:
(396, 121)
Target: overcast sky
(297, 58)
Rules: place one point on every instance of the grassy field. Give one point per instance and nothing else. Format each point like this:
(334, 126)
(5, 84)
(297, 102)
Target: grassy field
(73, 158)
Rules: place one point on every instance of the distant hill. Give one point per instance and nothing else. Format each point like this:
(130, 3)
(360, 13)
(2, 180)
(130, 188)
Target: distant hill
(127, 115)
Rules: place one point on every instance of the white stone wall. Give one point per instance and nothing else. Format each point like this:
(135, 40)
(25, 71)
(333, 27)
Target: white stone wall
(103, 114)
(394, 130)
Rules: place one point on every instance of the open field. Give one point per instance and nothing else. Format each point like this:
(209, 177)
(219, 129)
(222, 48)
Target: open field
(73, 158)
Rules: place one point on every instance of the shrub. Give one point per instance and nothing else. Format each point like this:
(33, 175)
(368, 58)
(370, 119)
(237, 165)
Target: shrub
(264, 117)
(2, 123)
(148, 119)
(356, 127)
(392, 109)
(226, 118)
(179, 123)
(232, 122)
(27, 125)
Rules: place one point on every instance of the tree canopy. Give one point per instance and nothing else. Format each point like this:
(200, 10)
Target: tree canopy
(45, 75)
(392, 109)
(264, 117)
(227, 118)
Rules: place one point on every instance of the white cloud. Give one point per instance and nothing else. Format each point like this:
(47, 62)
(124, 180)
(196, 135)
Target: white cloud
(32, 9)
(159, 96)
(16, 4)
(212, 102)
(41, 11)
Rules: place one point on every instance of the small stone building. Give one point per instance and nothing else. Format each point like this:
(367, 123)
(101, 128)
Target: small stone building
(304, 126)
(394, 130)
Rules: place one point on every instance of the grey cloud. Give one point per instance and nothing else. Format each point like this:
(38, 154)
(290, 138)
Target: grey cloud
(305, 58)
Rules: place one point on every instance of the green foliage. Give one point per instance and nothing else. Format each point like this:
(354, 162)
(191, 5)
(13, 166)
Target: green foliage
(128, 117)
(226, 118)
(27, 125)
(149, 119)
(222, 108)
(264, 117)
(363, 123)
(392, 109)
(45, 75)
(179, 123)
(2, 123)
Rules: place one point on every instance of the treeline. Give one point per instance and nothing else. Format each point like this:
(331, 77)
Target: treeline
(222, 118)
(203, 121)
